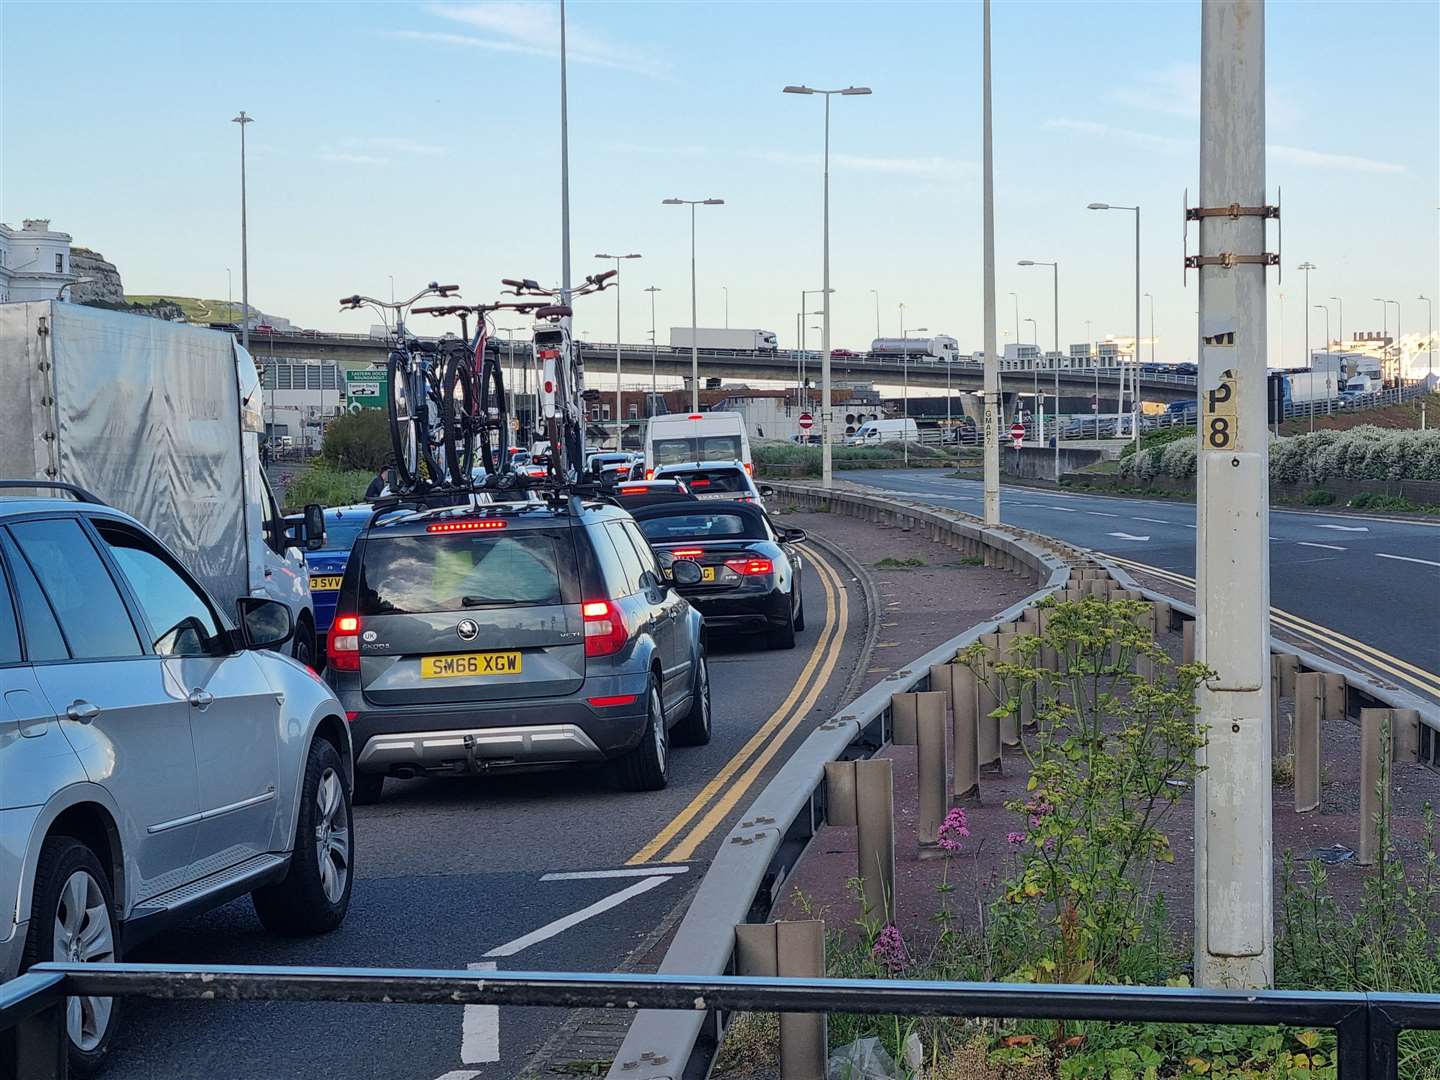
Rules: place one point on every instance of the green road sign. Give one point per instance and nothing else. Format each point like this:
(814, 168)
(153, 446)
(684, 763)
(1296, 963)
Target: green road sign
(366, 389)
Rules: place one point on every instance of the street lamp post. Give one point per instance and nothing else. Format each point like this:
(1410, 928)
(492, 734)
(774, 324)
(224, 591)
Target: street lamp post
(654, 349)
(726, 290)
(229, 296)
(826, 478)
(1151, 298)
(1383, 350)
(694, 345)
(1429, 342)
(1035, 362)
(244, 120)
(805, 313)
(1339, 319)
(1134, 360)
(1328, 398)
(905, 390)
(876, 294)
(1055, 282)
(1016, 298)
(619, 410)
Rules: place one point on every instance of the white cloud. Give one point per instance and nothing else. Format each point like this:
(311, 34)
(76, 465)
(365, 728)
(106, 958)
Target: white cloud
(1171, 144)
(347, 157)
(534, 30)
(932, 168)
(1174, 90)
(375, 150)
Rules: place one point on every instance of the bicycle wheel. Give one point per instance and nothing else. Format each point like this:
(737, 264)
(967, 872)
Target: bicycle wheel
(430, 423)
(402, 420)
(494, 417)
(458, 404)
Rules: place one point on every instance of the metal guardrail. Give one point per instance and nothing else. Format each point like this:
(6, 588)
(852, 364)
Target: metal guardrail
(1366, 1026)
(748, 874)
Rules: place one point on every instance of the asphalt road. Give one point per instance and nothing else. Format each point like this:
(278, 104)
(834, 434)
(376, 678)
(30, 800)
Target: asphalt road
(1374, 582)
(453, 873)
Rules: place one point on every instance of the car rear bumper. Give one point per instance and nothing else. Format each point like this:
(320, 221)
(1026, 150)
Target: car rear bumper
(742, 611)
(470, 737)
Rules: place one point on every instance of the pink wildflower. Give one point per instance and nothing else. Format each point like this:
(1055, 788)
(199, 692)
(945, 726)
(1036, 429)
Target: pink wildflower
(1016, 838)
(954, 829)
(890, 950)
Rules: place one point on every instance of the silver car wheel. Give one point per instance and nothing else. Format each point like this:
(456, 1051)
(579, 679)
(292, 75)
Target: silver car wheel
(705, 692)
(661, 736)
(332, 835)
(83, 935)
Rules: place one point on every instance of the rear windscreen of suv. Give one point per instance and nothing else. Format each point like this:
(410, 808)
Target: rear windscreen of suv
(711, 481)
(407, 575)
(704, 448)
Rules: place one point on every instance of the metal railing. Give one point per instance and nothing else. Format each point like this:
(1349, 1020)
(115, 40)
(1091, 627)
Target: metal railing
(33, 1040)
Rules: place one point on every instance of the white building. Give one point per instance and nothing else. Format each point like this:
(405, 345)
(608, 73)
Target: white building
(34, 261)
(299, 397)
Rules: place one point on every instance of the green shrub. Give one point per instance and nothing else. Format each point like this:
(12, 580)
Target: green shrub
(1159, 437)
(328, 487)
(1318, 498)
(358, 441)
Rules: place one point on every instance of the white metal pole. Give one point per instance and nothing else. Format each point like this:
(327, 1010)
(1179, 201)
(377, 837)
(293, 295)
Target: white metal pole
(1055, 283)
(619, 396)
(992, 367)
(564, 176)
(694, 325)
(244, 121)
(1234, 866)
(654, 350)
(1135, 360)
(1309, 358)
(826, 477)
(726, 290)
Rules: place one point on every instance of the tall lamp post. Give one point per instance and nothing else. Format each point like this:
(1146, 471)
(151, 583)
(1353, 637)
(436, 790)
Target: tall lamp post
(1016, 298)
(1328, 398)
(1151, 298)
(876, 294)
(654, 349)
(805, 313)
(243, 120)
(826, 478)
(1035, 362)
(1134, 360)
(694, 345)
(726, 290)
(1383, 349)
(905, 390)
(1429, 341)
(619, 411)
(1340, 319)
(1055, 282)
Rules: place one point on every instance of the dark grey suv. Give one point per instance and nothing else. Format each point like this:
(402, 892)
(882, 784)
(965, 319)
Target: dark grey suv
(474, 638)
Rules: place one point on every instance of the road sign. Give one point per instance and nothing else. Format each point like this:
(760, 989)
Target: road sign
(367, 389)
(806, 421)
(1017, 434)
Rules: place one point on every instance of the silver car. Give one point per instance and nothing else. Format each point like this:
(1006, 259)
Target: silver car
(156, 760)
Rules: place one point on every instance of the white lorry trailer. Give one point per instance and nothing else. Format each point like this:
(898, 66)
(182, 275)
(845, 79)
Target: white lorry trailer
(942, 348)
(161, 420)
(706, 337)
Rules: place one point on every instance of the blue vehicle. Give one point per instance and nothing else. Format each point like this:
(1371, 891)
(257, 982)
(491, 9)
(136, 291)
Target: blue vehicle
(327, 565)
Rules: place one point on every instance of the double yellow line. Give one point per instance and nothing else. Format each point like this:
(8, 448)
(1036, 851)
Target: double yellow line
(728, 786)
(1426, 681)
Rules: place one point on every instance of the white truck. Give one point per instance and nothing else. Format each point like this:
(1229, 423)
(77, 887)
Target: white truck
(1313, 386)
(162, 420)
(875, 432)
(1363, 384)
(942, 348)
(682, 438)
(706, 337)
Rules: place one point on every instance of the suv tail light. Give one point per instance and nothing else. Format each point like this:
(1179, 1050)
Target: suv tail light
(605, 630)
(342, 646)
(749, 468)
(751, 567)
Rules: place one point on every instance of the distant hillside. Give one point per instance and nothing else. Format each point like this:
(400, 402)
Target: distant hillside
(200, 311)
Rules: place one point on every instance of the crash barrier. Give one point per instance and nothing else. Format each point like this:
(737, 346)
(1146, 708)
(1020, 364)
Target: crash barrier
(33, 1041)
(825, 781)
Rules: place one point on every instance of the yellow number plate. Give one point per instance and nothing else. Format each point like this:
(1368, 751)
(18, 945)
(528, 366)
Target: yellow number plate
(326, 584)
(707, 573)
(479, 663)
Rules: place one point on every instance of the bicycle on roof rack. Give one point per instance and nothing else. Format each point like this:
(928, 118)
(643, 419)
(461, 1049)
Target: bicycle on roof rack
(415, 378)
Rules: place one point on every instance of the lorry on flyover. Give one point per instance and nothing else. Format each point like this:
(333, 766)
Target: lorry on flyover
(705, 337)
(163, 421)
(942, 348)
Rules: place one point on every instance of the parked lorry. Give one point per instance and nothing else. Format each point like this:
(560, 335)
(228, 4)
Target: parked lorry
(1363, 384)
(942, 348)
(706, 337)
(1312, 386)
(162, 420)
(875, 432)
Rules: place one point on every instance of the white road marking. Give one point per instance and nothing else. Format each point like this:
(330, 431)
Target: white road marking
(1127, 536)
(1328, 547)
(480, 1030)
(1063, 509)
(1345, 528)
(559, 926)
(1098, 513)
(1406, 558)
(1155, 521)
(624, 871)
(460, 1074)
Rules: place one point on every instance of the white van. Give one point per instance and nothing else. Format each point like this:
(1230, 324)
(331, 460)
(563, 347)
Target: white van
(875, 432)
(678, 438)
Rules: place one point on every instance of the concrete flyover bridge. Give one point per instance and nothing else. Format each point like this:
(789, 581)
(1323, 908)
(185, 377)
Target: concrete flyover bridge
(782, 365)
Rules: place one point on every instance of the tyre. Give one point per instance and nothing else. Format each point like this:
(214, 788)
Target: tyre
(646, 768)
(368, 787)
(799, 605)
(402, 421)
(494, 418)
(459, 415)
(694, 730)
(783, 636)
(313, 896)
(72, 920)
(302, 646)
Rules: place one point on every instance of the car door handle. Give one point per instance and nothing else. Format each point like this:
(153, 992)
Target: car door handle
(82, 712)
(201, 698)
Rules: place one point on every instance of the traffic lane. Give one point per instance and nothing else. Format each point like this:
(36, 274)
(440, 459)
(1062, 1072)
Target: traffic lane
(1391, 603)
(449, 869)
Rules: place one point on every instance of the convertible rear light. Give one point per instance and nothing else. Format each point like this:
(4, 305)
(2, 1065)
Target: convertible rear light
(605, 630)
(612, 700)
(687, 553)
(342, 646)
(465, 526)
(751, 567)
(649, 474)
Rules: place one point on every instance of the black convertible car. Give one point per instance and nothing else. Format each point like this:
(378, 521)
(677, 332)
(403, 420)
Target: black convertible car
(750, 569)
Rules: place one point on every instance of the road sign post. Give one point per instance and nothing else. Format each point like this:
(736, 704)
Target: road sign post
(806, 422)
(1017, 434)
(367, 389)
(1233, 857)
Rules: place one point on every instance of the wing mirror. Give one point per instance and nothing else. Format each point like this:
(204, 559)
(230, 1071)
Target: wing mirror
(792, 536)
(314, 527)
(264, 624)
(685, 572)
(766, 490)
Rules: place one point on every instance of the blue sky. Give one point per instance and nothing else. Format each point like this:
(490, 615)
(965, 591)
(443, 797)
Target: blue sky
(421, 140)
